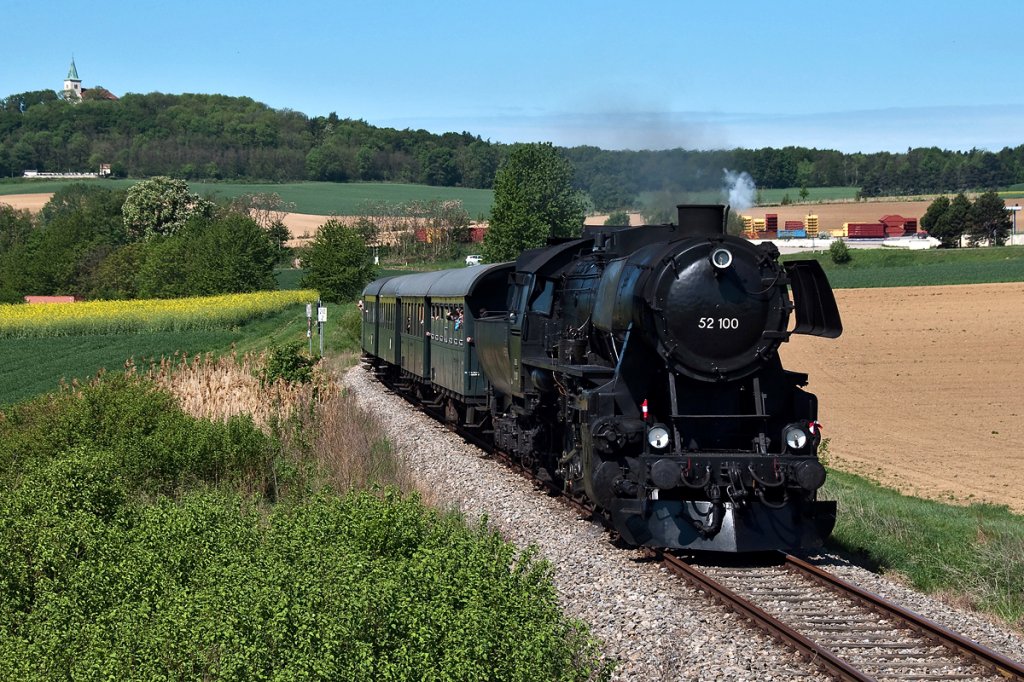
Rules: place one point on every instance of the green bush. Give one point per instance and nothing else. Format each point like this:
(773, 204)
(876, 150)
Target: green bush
(839, 252)
(288, 362)
(151, 443)
(132, 547)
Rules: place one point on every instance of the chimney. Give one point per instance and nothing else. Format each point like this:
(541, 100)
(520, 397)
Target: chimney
(702, 219)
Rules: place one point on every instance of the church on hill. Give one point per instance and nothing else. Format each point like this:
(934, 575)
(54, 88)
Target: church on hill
(74, 92)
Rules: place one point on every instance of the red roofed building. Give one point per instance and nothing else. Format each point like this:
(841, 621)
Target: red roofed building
(50, 299)
(897, 225)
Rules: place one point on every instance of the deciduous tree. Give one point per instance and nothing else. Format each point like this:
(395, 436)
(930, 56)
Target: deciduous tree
(533, 200)
(337, 263)
(230, 255)
(619, 217)
(990, 221)
(936, 221)
(959, 216)
(161, 206)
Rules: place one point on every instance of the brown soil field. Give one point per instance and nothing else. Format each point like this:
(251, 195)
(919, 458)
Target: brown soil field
(33, 202)
(922, 392)
(832, 216)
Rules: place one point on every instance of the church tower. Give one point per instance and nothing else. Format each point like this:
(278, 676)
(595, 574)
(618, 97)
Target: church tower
(73, 84)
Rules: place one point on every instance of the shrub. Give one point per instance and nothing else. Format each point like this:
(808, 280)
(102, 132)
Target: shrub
(289, 363)
(839, 252)
(134, 548)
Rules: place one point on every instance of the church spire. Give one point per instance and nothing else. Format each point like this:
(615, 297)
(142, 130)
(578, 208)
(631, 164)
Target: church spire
(73, 84)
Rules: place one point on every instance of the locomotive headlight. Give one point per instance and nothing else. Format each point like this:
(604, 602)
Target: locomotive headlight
(721, 258)
(795, 436)
(657, 436)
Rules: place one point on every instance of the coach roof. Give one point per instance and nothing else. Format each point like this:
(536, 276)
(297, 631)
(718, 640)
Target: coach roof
(374, 287)
(454, 283)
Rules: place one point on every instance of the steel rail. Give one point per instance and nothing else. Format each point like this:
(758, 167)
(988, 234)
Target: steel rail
(939, 634)
(808, 649)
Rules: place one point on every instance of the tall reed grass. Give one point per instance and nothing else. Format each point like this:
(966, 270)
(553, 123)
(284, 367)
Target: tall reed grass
(318, 424)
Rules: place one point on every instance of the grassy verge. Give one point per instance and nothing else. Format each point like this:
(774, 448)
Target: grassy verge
(900, 267)
(974, 554)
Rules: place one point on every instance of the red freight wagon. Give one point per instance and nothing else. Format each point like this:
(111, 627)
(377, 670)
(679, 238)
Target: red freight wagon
(865, 230)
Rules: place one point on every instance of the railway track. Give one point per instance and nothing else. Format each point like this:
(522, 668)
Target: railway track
(848, 631)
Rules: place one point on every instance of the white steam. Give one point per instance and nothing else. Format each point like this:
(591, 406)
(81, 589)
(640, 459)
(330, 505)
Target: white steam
(739, 189)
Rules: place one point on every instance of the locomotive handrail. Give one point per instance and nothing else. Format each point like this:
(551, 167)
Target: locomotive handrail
(720, 416)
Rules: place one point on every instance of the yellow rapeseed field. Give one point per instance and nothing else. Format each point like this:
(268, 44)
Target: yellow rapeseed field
(173, 314)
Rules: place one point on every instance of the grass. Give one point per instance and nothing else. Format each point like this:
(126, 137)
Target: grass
(288, 278)
(901, 267)
(316, 198)
(973, 554)
(814, 194)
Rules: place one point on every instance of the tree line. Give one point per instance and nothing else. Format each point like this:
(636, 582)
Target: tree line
(194, 136)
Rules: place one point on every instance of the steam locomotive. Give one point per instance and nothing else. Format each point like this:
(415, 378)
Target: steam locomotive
(636, 367)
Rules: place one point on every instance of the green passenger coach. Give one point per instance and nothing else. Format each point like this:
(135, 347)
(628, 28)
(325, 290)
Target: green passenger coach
(418, 329)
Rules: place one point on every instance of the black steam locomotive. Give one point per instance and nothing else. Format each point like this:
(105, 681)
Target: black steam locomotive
(637, 367)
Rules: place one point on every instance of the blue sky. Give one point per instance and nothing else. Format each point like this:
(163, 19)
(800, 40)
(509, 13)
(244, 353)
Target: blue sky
(854, 76)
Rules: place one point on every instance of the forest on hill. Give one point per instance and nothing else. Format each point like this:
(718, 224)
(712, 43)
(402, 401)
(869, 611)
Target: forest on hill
(216, 137)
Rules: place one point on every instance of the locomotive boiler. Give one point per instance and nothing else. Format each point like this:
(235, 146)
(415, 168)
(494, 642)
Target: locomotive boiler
(636, 367)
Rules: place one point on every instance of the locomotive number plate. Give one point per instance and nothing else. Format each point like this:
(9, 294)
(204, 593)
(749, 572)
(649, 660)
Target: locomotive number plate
(718, 323)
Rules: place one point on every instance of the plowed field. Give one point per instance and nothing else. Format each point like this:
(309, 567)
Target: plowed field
(923, 391)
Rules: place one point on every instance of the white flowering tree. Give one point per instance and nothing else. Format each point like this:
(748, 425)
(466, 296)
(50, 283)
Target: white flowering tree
(161, 206)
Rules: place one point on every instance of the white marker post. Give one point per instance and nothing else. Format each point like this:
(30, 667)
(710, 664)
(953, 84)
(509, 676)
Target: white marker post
(309, 327)
(321, 318)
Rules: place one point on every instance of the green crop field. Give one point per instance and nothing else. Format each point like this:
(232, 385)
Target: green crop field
(902, 267)
(316, 198)
(36, 365)
(819, 194)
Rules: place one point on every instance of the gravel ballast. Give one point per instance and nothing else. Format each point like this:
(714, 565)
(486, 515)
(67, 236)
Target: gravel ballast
(654, 625)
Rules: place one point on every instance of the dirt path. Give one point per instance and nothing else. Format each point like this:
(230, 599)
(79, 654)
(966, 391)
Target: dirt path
(923, 390)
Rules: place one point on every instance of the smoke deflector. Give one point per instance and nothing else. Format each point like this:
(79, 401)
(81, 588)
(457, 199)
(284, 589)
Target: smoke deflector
(816, 310)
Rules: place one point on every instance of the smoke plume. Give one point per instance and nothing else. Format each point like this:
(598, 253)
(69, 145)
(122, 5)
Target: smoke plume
(739, 189)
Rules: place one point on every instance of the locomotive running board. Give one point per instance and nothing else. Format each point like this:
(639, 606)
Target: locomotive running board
(816, 310)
